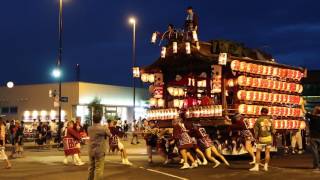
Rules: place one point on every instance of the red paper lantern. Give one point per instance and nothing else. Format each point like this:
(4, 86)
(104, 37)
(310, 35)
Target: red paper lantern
(260, 69)
(270, 70)
(275, 72)
(255, 82)
(248, 68)
(254, 68)
(265, 70)
(249, 81)
(242, 80)
(235, 65)
(243, 66)
(241, 95)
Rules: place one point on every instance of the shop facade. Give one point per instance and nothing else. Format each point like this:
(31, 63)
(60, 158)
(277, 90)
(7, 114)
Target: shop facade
(39, 101)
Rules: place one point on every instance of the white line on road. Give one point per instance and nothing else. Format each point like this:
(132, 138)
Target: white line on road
(166, 174)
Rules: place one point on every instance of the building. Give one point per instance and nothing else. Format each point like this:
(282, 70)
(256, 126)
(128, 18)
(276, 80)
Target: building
(311, 89)
(37, 101)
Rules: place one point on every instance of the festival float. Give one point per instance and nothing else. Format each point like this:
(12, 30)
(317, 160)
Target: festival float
(238, 81)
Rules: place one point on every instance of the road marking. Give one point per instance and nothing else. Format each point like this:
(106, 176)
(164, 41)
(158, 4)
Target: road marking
(166, 174)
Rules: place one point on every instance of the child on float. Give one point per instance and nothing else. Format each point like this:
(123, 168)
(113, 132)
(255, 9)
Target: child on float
(184, 143)
(115, 143)
(205, 142)
(69, 145)
(263, 131)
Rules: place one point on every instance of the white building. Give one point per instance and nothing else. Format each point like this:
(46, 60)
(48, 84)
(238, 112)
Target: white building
(28, 102)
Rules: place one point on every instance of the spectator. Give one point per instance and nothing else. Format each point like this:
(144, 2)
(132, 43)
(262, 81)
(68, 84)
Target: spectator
(3, 155)
(263, 131)
(315, 137)
(135, 132)
(97, 148)
(125, 130)
(19, 139)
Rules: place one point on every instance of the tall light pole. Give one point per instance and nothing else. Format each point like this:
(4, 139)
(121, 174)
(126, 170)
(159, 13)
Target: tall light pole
(132, 21)
(59, 63)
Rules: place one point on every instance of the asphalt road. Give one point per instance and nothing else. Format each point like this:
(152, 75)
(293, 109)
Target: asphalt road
(47, 165)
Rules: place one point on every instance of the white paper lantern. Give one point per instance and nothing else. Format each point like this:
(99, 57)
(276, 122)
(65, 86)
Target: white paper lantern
(153, 101)
(151, 78)
(161, 102)
(188, 48)
(170, 90)
(144, 77)
(154, 37)
(175, 47)
(163, 52)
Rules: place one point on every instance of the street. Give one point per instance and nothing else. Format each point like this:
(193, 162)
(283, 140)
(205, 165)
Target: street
(47, 164)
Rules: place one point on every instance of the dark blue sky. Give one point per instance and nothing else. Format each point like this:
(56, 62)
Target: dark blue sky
(98, 36)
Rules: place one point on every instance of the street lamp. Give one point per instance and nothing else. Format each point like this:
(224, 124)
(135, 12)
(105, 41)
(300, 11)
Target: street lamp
(58, 69)
(10, 84)
(132, 21)
(56, 73)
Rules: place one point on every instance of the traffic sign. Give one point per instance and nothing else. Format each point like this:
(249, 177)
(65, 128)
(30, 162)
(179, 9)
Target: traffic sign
(64, 99)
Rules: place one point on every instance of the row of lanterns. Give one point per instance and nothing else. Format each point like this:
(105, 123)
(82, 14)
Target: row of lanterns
(268, 97)
(162, 114)
(267, 84)
(266, 70)
(279, 124)
(154, 37)
(176, 91)
(204, 111)
(154, 102)
(147, 77)
(273, 110)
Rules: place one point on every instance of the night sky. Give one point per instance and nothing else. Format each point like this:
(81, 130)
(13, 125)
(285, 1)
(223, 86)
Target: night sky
(98, 37)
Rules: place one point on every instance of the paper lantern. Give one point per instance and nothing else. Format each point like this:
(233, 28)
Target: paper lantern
(242, 66)
(144, 77)
(163, 52)
(300, 89)
(242, 80)
(175, 47)
(270, 70)
(260, 69)
(153, 101)
(242, 109)
(176, 103)
(170, 90)
(235, 65)
(302, 124)
(154, 38)
(175, 92)
(249, 81)
(188, 48)
(181, 92)
(161, 102)
(241, 94)
(275, 72)
(230, 83)
(254, 68)
(265, 70)
(136, 72)
(151, 78)
(248, 68)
